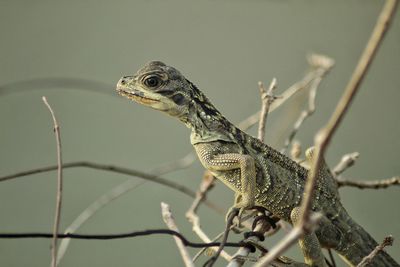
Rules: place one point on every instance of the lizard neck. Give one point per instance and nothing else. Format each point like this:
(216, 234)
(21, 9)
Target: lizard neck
(205, 121)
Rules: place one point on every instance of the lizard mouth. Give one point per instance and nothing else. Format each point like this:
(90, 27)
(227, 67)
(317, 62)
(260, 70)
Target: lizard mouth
(137, 96)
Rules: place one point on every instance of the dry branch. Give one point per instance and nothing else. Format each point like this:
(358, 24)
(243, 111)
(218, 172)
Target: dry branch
(387, 241)
(206, 184)
(324, 136)
(59, 184)
(321, 65)
(379, 184)
(170, 222)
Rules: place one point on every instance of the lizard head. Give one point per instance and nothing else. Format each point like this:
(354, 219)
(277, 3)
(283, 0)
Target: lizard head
(158, 86)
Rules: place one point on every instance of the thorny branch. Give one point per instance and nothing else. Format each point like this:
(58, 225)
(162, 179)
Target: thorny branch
(388, 241)
(324, 136)
(59, 184)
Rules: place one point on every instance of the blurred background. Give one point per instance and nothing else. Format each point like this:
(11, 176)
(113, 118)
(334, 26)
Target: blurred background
(74, 52)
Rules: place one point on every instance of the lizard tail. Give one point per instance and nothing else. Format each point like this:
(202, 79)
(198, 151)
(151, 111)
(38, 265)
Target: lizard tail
(357, 243)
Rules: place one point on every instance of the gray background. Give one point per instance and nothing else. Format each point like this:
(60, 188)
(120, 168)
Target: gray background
(224, 47)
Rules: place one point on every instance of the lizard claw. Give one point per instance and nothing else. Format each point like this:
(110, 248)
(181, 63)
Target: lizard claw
(237, 210)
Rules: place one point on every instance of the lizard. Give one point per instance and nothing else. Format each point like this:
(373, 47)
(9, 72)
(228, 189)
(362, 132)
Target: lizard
(259, 175)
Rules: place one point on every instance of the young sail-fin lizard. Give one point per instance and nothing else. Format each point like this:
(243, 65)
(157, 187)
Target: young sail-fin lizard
(258, 174)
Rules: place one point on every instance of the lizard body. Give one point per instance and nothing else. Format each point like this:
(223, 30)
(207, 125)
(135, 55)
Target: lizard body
(258, 174)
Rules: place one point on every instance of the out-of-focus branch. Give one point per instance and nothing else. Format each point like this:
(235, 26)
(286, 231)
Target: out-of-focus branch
(388, 241)
(57, 215)
(320, 67)
(170, 222)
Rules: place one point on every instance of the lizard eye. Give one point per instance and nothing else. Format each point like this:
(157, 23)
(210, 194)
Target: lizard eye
(152, 81)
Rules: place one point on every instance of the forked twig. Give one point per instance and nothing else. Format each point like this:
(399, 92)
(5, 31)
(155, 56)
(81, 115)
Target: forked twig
(57, 215)
(387, 241)
(170, 222)
(324, 136)
(321, 65)
(287, 94)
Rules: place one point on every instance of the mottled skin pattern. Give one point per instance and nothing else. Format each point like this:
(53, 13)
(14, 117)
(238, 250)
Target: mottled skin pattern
(258, 174)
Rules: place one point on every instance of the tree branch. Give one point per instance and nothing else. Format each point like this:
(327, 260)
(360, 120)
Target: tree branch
(324, 136)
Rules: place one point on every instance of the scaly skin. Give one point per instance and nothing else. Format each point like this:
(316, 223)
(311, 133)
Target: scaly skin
(258, 174)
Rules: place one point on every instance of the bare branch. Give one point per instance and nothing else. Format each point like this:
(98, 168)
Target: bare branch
(379, 184)
(346, 162)
(267, 98)
(321, 64)
(170, 222)
(387, 241)
(324, 136)
(287, 94)
(115, 193)
(206, 184)
(59, 184)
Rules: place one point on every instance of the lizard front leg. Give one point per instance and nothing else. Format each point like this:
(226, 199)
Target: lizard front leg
(244, 186)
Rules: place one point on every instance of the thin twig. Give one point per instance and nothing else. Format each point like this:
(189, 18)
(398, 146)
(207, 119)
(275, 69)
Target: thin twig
(378, 184)
(321, 64)
(116, 192)
(287, 94)
(387, 241)
(324, 136)
(206, 184)
(267, 98)
(92, 209)
(170, 222)
(57, 215)
(346, 162)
